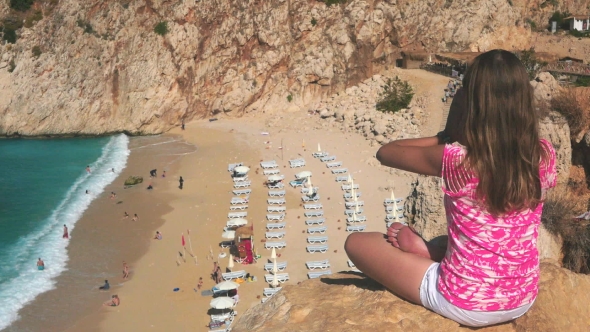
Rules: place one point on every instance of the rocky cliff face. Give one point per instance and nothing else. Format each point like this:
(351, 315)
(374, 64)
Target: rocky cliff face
(103, 69)
(350, 302)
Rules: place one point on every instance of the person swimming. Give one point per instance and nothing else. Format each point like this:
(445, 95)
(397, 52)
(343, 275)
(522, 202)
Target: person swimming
(40, 264)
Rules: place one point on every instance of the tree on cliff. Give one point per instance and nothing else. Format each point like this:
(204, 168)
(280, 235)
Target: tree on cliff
(21, 5)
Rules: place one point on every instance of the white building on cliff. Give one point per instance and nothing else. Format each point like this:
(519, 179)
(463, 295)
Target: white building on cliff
(579, 22)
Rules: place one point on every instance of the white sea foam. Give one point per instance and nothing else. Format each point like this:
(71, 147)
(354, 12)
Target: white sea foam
(47, 243)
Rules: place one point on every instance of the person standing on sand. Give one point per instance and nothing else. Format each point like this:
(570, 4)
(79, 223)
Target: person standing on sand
(66, 234)
(135, 217)
(125, 215)
(125, 270)
(180, 182)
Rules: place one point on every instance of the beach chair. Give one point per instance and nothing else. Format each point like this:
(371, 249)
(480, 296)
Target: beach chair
(328, 158)
(317, 239)
(280, 266)
(313, 265)
(276, 201)
(227, 244)
(389, 201)
(233, 275)
(275, 217)
(223, 317)
(321, 248)
(315, 230)
(242, 184)
(276, 245)
(275, 235)
(334, 164)
(313, 198)
(298, 183)
(268, 292)
(240, 179)
(271, 171)
(230, 167)
(281, 277)
(389, 208)
(269, 164)
(238, 207)
(319, 154)
(240, 192)
(339, 170)
(349, 187)
(391, 217)
(278, 225)
(277, 185)
(355, 228)
(282, 176)
(350, 212)
(356, 219)
(297, 163)
(317, 274)
(353, 204)
(238, 200)
(305, 190)
(298, 160)
(276, 209)
(276, 193)
(341, 178)
(311, 222)
(313, 206)
(233, 215)
(349, 195)
(312, 214)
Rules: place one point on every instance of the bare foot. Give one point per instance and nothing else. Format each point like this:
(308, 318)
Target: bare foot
(407, 239)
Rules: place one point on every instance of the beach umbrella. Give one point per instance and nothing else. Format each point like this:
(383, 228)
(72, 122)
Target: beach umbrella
(275, 178)
(275, 281)
(230, 265)
(241, 169)
(227, 285)
(395, 211)
(319, 149)
(349, 178)
(354, 217)
(222, 303)
(304, 174)
(392, 196)
(229, 235)
(273, 253)
(275, 269)
(237, 222)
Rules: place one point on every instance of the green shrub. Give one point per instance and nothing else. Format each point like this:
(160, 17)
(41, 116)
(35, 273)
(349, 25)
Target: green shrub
(161, 28)
(21, 5)
(289, 98)
(86, 26)
(11, 66)
(582, 81)
(314, 22)
(532, 24)
(31, 19)
(332, 2)
(396, 94)
(532, 65)
(36, 51)
(580, 34)
(9, 35)
(559, 18)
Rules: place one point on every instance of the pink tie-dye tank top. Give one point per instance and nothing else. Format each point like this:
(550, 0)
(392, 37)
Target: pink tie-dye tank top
(492, 263)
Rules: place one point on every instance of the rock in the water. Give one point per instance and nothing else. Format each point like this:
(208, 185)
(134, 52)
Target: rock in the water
(133, 180)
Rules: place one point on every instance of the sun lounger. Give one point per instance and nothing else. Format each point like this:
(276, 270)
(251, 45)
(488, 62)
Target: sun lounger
(276, 245)
(334, 164)
(296, 163)
(349, 187)
(233, 275)
(389, 201)
(233, 215)
(317, 274)
(271, 171)
(320, 221)
(243, 184)
(276, 209)
(313, 198)
(276, 193)
(278, 225)
(340, 171)
(328, 158)
(269, 164)
(315, 230)
(275, 235)
(311, 214)
(278, 185)
(240, 192)
(238, 207)
(268, 292)
(223, 317)
(355, 228)
(275, 217)
(305, 190)
(341, 178)
(281, 277)
(298, 160)
(313, 206)
(282, 176)
(297, 183)
(238, 200)
(227, 244)
(280, 266)
(389, 208)
(349, 195)
(320, 154)
(230, 167)
(240, 179)
(352, 204)
(391, 217)
(356, 219)
(317, 239)
(323, 248)
(350, 212)
(312, 265)
(276, 201)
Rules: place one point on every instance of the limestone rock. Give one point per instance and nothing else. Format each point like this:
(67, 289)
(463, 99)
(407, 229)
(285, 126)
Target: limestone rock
(555, 129)
(133, 180)
(351, 302)
(424, 208)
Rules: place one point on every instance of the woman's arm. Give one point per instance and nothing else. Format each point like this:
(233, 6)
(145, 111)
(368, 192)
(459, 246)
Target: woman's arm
(424, 158)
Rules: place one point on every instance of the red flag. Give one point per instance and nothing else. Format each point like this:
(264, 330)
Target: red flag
(183, 240)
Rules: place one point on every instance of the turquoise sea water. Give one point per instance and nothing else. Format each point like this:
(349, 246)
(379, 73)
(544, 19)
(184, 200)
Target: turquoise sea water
(43, 186)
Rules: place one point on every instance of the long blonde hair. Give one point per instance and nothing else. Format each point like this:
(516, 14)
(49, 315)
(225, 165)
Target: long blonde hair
(501, 133)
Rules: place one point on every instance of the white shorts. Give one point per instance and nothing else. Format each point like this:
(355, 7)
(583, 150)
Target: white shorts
(432, 299)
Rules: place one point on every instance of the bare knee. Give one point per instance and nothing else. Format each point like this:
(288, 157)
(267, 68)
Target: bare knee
(353, 242)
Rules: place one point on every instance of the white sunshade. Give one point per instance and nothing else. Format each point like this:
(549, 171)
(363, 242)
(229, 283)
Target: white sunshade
(237, 222)
(230, 264)
(227, 285)
(275, 178)
(304, 174)
(229, 235)
(273, 253)
(241, 169)
(222, 303)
